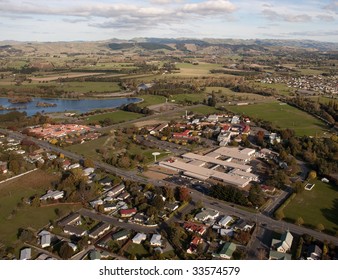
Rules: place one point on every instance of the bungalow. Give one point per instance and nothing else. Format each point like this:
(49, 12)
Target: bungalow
(225, 221)
(196, 228)
(94, 255)
(226, 232)
(120, 235)
(275, 255)
(73, 246)
(65, 164)
(45, 239)
(53, 195)
(99, 230)
(73, 166)
(243, 225)
(70, 219)
(139, 237)
(140, 218)
(96, 203)
(109, 207)
(171, 206)
(159, 128)
(123, 196)
(126, 213)
(106, 181)
(26, 254)
(207, 214)
(227, 250)
(212, 118)
(156, 240)
(314, 252)
(73, 230)
(193, 244)
(116, 190)
(88, 171)
(283, 244)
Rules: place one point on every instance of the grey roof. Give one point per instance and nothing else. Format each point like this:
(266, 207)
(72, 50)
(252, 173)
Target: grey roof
(120, 234)
(228, 249)
(94, 255)
(26, 254)
(275, 255)
(99, 229)
(73, 230)
(71, 218)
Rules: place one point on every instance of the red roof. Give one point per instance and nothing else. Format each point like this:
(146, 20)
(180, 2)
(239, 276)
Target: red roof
(128, 211)
(196, 240)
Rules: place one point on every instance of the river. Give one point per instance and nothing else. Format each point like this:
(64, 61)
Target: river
(66, 105)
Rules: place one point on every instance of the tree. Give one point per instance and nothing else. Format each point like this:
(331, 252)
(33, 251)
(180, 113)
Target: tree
(320, 227)
(183, 194)
(312, 175)
(299, 221)
(158, 202)
(256, 196)
(14, 166)
(279, 214)
(65, 251)
(26, 235)
(88, 163)
(212, 101)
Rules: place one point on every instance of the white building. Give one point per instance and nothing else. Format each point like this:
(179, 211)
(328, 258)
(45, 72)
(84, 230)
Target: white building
(139, 237)
(156, 240)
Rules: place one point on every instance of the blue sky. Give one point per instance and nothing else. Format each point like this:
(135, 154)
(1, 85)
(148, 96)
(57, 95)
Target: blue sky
(67, 20)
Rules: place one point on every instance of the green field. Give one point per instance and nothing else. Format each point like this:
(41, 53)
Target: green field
(204, 110)
(202, 69)
(116, 117)
(324, 100)
(283, 116)
(193, 97)
(320, 205)
(151, 100)
(281, 88)
(14, 216)
(231, 95)
(137, 250)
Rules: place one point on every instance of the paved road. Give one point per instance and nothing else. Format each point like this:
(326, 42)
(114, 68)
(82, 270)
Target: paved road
(208, 201)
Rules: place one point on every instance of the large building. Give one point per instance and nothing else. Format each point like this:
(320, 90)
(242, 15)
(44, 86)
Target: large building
(224, 164)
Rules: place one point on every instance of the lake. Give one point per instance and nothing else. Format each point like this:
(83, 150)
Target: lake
(66, 105)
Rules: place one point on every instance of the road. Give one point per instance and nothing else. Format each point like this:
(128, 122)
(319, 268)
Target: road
(196, 196)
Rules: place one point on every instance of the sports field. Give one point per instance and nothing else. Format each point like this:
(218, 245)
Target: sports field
(283, 116)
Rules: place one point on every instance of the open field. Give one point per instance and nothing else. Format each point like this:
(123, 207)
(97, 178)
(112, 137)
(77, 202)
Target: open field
(204, 110)
(323, 100)
(231, 95)
(14, 216)
(281, 88)
(63, 76)
(283, 116)
(202, 69)
(320, 205)
(115, 117)
(137, 250)
(88, 149)
(149, 100)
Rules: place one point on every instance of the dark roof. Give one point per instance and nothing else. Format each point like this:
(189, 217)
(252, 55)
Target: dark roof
(120, 234)
(69, 219)
(74, 230)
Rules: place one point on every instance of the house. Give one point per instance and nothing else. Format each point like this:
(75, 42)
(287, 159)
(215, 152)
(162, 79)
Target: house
(73, 230)
(94, 255)
(195, 228)
(65, 164)
(70, 219)
(283, 244)
(3, 167)
(156, 240)
(227, 250)
(226, 232)
(53, 195)
(141, 218)
(26, 254)
(243, 225)
(212, 118)
(96, 203)
(73, 246)
(88, 171)
(207, 214)
(99, 230)
(120, 235)
(116, 190)
(225, 221)
(45, 238)
(275, 255)
(123, 196)
(126, 213)
(106, 181)
(314, 253)
(171, 206)
(109, 207)
(139, 237)
(193, 244)
(159, 128)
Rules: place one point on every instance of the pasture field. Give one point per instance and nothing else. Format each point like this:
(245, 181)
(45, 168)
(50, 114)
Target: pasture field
(14, 214)
(283, 116)
(115, 117)
(320, 205)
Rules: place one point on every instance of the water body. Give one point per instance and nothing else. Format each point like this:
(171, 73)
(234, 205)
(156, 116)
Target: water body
(66, 105)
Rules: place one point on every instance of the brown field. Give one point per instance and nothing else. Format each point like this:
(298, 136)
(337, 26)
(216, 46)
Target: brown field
(65, 75)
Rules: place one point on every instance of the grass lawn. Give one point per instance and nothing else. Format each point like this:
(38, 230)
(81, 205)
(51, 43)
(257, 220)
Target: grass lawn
(151, 100)
(320, 205)
(281, 88)
(204, 110)
(87, 87)
(193, 97)
(231, 95)
(202, 69)
(283, 116)
(137, 250)
(11, 194)
(116, 117)
(324, 100)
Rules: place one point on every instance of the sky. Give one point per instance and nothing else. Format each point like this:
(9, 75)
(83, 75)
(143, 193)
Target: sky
(92, 20)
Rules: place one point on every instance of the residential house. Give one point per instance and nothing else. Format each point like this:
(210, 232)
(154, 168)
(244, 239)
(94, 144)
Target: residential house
(195, 228)
(207, 214)
(116, 190)
(242, 225)
(139, 237)
(156, 240)
(73, 246)
(227, 250)
(140, 218)
(225, 221)
(126, 213)
(123, 196)
(226, 232)
(171, 206)
(96, 203)
(159, 128)
(109, 207)
(45, 238)
(120, 235)
(275, 255)
(194, 244)
(99, 230)
(3, 167)
(74, 230)
(106, 181)
(88, 171)
(314, 253)
(26, 254)
(94, 255)
(70, 219)
(283, 244)
(53, 195)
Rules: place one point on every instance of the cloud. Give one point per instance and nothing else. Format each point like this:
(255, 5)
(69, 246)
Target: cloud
(327, 18)
(75, 20)
(210, 7)
(165, 2)
(332, 6)
(317, 33)
(275, 16)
